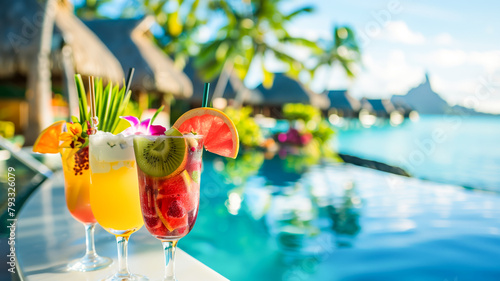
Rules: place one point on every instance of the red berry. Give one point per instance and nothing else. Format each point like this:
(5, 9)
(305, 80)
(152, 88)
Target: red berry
(176, 210)
(181, 230)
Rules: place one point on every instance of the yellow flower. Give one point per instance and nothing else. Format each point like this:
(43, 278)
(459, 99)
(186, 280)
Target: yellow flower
(73, 136)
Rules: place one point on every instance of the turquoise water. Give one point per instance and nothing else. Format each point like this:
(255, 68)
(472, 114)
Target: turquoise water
(280, 219)
(450, 149)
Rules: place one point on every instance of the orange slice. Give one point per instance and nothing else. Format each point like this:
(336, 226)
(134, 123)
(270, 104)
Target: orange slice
(219, 133)
(48, 140)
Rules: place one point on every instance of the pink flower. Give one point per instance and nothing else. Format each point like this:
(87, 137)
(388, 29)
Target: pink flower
(142, 128)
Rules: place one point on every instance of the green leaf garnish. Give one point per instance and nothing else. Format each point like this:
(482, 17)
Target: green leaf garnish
(111, 103)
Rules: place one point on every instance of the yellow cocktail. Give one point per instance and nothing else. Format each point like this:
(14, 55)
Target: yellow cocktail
(114, 192)
(115, 197)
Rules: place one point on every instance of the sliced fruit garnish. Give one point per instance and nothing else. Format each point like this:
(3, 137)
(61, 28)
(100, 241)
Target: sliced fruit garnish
(172, 215)
(181, 188)
(219, 133)
(195, 175)
(162, 157)
(180, 183)
(48, 140)
(193, 167)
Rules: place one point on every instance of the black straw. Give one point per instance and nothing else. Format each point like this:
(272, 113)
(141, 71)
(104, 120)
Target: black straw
(206, 89)
(129, 79)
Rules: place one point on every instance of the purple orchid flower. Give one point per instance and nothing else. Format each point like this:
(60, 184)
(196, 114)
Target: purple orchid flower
(142, 128)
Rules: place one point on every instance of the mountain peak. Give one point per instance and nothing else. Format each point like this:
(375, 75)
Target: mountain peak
(423, 99)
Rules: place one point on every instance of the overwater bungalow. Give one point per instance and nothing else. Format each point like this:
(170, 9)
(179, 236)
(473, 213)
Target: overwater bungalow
(380, 107)
(235, 91)
(39, 53)
(383, 109)
(404, 108)
(287, 90)
(343, 104)
(130, 40)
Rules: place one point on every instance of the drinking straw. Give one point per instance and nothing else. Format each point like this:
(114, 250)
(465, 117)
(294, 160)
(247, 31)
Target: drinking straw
(206, 89)
(129, 79)
(93, 119)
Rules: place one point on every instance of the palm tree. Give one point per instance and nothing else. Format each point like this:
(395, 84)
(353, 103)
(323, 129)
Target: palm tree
(253, 29)
(343, 50)
(179, 26)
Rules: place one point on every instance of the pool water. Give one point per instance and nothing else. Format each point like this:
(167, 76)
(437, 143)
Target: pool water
(273, 219)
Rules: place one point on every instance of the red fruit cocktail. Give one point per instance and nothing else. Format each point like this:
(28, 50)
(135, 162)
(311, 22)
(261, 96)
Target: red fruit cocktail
(169, 169)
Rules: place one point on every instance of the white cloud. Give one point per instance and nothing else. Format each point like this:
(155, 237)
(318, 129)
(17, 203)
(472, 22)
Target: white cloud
(447, 57)
(383, 77)
(489, 107)
(444, 39)
(398, 31)
(453, 90)
(488, 60)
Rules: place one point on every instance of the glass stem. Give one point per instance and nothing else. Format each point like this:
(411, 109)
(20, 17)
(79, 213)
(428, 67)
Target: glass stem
(89, 240)
(122, 243)
(169, 247)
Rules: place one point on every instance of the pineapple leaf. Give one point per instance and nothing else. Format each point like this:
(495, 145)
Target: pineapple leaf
(111, 102)
(82, 99)
(114, 111)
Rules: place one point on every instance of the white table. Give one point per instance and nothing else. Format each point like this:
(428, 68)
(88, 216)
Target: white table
(47, 238)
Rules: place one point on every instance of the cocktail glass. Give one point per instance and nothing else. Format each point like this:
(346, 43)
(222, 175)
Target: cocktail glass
(75, 163)
(114, 195)
(169, 203)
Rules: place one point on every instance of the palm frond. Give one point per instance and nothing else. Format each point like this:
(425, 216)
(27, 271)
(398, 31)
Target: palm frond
(303, 10)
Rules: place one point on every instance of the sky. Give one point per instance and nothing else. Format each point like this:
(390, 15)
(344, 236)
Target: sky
(456, 42)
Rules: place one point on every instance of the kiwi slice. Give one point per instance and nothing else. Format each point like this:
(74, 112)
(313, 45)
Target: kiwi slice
(163, 157)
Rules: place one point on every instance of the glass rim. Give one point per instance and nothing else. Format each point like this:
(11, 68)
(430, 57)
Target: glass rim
(151, 137)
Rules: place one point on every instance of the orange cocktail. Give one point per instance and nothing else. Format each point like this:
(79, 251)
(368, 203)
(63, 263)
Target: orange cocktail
(76, 169)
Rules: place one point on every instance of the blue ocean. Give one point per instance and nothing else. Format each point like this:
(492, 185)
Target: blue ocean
(462, 150)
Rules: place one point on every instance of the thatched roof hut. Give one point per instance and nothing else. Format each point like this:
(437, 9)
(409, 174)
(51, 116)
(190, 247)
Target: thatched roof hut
(288, 90)
(21, 19)
(44, 43)
(131, 42)
(381, 107)
(343, 103)
(285, 90)
(320, 101)
(234, 85)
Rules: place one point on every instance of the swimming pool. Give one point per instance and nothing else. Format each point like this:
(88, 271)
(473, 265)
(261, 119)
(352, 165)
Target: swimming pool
(278, 219)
